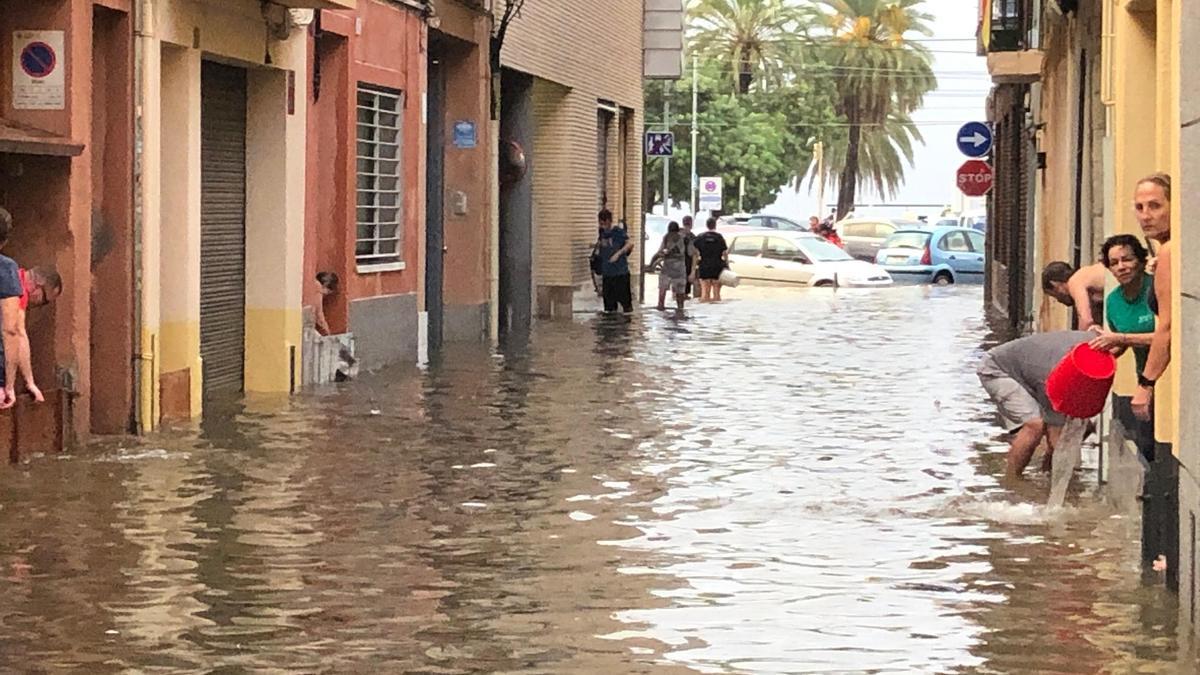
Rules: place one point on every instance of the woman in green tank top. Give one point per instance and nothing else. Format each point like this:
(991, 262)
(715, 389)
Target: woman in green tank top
(1127, 309)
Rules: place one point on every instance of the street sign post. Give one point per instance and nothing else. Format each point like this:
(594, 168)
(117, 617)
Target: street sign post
(974, 139)
(975, 178)
(660, 144)
(710, 193)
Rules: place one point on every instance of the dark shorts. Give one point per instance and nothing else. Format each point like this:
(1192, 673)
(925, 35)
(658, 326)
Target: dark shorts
(711, 269)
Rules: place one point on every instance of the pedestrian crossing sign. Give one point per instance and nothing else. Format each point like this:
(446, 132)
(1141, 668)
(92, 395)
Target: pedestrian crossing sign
(660, 144)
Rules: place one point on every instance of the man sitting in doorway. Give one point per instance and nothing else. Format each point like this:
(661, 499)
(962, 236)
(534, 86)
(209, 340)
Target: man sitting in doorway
(20, 290)
(1081, 288)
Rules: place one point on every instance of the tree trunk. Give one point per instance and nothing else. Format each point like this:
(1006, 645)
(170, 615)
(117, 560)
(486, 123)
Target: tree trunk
(848, 181)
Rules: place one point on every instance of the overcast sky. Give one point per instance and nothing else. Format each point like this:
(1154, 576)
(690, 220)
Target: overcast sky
(963, 85)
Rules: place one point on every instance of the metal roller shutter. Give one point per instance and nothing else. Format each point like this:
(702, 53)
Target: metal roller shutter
(223, 227)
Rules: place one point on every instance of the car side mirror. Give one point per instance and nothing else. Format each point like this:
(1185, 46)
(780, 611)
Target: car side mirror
(802, 260)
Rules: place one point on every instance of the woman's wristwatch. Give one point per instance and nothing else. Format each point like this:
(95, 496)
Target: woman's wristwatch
(1144, 381)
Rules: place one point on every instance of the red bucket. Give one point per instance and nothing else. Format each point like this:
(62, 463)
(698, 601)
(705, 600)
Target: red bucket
(1079, 385)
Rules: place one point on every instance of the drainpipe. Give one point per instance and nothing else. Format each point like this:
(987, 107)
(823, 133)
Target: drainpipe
(135, 423)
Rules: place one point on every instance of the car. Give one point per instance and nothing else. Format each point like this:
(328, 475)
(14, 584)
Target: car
(769, 222)
(939, 255)
(799, 258)
(863, 236)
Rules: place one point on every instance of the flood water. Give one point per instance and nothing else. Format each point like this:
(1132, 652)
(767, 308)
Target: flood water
(793, 481)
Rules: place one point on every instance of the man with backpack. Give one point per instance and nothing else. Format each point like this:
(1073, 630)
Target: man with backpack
(614, 247)
(674, 255)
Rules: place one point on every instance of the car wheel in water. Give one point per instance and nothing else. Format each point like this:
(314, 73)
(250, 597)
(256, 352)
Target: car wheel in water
(943, 279)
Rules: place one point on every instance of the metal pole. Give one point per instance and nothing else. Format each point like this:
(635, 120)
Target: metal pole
(692, 196)
(819, 151)
(741, 193)
(666, 160)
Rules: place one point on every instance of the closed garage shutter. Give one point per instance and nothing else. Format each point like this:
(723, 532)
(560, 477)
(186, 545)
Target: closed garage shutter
(222, 226)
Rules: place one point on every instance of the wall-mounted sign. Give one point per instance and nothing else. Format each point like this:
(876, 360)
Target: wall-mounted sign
(464, 134)
(39, 70)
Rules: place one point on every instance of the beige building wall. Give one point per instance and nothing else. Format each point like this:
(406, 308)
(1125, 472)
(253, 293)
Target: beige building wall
(1065, 40)
(581, 53)
(176, 37)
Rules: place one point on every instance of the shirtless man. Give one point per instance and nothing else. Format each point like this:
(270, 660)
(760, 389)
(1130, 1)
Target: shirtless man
(1081, 288)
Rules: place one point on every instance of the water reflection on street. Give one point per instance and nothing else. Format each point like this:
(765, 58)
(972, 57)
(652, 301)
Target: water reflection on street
(793, 481)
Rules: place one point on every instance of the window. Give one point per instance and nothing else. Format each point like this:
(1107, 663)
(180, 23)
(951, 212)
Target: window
(757, 221)
(781, 249)
(822, 251)
(380, 199)
(976, 241)
(955, 242)
(748, 246)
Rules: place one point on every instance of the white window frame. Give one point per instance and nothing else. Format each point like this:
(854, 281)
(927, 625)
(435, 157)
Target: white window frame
(372, 134)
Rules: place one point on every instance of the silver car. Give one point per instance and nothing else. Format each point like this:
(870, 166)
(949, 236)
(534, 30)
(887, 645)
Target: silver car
(863, 237)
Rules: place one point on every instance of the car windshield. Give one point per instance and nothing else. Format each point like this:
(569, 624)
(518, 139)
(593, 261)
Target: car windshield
(916, 240)
(823, 251)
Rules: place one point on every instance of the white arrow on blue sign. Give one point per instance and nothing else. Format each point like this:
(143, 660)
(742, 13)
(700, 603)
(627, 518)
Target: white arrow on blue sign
(975, 139)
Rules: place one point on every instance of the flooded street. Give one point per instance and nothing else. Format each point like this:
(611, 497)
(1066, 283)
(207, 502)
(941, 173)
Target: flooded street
(794, 481)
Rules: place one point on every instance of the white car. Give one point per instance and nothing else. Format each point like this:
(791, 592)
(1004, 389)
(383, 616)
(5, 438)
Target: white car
(652, 236)
(799, 258)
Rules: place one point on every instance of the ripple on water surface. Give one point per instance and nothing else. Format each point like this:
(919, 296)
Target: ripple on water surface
(791, 481)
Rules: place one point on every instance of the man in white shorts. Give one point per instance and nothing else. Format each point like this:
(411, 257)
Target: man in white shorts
(1014, 375)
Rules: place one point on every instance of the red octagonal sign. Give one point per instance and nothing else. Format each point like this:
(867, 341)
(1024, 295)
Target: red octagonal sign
(975, 178)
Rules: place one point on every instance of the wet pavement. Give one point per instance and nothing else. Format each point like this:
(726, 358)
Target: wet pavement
(793, 481)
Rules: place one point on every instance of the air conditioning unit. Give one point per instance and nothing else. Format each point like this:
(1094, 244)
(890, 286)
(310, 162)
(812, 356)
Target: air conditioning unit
(301, 18)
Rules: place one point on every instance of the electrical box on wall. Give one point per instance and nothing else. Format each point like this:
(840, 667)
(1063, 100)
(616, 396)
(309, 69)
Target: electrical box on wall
(458, 203)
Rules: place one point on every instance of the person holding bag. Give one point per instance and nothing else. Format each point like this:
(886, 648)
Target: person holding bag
(714, 258)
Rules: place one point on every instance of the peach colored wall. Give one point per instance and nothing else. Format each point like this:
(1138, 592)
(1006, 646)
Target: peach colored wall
(467, 86)
(112, 223)
(387, 52)
(55, 195)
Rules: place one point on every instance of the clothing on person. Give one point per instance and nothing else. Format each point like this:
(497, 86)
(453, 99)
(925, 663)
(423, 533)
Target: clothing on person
(1014, 374)
(1132, 316)
(674, 254)
(711, 246)
(690, 239)
(617, 291)
(11, 286)
(612, 240)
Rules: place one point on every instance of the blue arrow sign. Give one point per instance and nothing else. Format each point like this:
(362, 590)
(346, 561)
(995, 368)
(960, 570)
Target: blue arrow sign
(974, 139)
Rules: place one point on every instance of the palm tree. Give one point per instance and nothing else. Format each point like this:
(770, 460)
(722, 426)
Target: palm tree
(880, 76)
(755, 38)
(885, 151)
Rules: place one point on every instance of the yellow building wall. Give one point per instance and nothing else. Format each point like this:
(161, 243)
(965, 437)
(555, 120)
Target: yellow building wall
(176, 36)
(1145, 76)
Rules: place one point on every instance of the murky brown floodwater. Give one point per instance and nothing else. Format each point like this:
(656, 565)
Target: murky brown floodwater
(791, 482)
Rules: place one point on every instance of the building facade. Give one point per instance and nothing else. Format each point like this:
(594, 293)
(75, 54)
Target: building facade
(1112, 106)
(365, 205)
(66, 158)
(578, 125)
(222, 199)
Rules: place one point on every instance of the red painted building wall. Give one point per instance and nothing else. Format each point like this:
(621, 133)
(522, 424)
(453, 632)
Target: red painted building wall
(77, 213)
(379, 44)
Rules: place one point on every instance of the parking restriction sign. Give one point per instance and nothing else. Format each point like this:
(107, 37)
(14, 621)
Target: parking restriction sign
(39, 70)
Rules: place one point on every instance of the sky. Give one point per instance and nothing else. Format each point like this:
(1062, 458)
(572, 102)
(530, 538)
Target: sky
(963, 86)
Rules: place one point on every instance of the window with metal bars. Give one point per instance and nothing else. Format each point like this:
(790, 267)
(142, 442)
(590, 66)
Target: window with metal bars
(380, 183)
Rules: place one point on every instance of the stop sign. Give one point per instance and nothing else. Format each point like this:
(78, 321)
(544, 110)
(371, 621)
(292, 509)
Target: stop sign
(975, 178)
